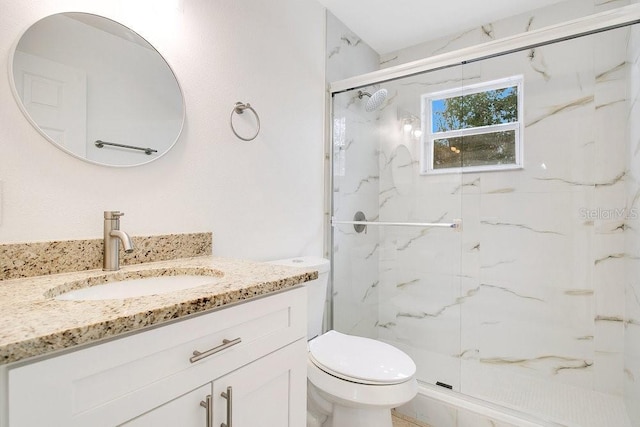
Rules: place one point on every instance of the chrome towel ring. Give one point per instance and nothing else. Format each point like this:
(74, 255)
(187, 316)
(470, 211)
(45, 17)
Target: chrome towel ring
(239, 109)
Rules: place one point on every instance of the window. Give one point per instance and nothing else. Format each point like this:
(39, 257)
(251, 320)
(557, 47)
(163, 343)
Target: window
(472, 129)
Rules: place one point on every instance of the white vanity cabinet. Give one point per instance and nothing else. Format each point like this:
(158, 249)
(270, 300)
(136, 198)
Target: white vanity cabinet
(257, 358)
(262, 393)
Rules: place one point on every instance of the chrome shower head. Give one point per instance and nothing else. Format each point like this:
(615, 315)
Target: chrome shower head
(374, 100)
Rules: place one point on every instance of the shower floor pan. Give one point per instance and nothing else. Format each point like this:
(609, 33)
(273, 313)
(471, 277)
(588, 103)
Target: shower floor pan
(554, 401)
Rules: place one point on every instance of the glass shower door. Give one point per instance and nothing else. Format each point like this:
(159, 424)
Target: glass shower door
(397, 270)
(543, 331)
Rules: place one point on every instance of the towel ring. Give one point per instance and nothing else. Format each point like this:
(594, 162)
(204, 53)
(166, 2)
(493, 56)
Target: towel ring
(239, 109)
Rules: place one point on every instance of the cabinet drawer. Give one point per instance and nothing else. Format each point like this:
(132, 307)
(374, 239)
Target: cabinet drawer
(149, 366)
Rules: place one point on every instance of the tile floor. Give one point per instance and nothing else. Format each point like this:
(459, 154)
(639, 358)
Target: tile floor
(400, 420)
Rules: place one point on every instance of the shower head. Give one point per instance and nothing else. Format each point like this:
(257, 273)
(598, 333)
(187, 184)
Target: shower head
(374, 100)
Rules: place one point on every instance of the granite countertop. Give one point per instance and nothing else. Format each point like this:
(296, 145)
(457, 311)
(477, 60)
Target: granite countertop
(33, 323)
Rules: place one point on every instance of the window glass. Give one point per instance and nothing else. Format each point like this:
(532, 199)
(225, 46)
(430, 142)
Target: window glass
(474, 128)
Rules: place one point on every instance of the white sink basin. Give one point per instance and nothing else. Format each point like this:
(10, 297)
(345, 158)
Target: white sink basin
(131, 288)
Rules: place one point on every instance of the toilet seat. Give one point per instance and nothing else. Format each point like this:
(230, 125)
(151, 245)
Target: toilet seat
(346, 393)
(360, 360)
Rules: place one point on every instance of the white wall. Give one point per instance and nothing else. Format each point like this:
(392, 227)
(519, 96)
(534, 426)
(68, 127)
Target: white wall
(261, 199)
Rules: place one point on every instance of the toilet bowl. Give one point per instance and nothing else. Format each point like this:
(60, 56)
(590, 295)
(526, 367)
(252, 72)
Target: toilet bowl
(351, 381)
(355, 381)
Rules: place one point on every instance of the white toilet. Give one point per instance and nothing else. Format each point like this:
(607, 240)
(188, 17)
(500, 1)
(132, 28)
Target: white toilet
(352, 381)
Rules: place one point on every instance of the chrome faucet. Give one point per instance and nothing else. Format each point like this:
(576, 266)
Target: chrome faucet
(112, 238)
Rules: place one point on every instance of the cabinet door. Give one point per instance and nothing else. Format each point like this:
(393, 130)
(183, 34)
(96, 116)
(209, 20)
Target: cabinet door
(270, 392)
(184, 411)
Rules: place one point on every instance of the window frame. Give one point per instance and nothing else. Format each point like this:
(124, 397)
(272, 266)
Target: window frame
(428, 136)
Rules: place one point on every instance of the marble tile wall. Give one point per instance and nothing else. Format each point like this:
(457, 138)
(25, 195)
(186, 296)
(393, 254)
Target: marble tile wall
(550, 15)
(535, 286)
(542, 284)
(632, 235)
(347, 54)
(355, 185)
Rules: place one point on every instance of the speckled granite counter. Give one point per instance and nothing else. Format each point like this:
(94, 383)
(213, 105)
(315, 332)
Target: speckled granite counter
(32, 259)
(33, 323)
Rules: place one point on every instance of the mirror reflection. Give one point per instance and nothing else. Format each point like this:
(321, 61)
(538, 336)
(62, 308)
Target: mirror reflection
(97, 89)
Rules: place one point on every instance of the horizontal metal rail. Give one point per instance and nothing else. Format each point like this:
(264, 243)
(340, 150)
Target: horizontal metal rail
(147, 150)
(456, 224)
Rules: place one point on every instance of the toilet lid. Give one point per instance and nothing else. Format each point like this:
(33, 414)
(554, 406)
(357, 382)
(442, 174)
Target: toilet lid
(360, 359)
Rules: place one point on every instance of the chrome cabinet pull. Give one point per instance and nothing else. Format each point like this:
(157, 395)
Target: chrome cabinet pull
(229, 398)
(225, 344)
(206, 404)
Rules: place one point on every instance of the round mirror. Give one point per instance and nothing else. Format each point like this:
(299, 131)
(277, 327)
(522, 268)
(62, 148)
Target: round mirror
(97, 90)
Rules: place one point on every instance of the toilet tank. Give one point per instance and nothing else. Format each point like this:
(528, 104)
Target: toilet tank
(316, 289)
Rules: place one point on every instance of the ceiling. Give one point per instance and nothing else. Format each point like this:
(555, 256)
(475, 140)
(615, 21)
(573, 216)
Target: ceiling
(390, 25)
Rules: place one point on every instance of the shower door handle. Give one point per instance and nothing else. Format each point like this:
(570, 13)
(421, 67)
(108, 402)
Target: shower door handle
(456, 224)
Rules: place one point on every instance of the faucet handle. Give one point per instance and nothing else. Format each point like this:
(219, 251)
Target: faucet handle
(113, 214)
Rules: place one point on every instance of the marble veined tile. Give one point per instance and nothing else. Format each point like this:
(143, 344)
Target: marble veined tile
(632, 369)
(533, 247)
(560, 12)
(355, 281)
(609, 277)
(347, 54)
(432, 366)
(609, 373)
(631, 372)
(610, 138)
